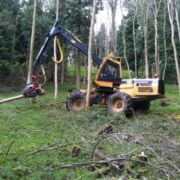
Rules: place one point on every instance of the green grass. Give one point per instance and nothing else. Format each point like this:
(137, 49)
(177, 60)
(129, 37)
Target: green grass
(71, 71)
(26, 128)
(172, 99)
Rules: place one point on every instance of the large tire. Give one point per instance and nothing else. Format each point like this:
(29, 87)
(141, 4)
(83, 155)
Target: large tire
(142, 106)
(120, 103)
(75, 101)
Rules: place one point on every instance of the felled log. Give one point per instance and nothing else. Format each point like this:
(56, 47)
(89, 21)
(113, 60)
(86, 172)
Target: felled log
(11, 99)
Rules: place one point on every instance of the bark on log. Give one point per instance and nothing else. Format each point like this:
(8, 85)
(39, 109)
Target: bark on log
(11, 99)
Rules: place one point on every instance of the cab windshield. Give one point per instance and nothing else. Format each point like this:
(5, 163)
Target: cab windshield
(110, 72)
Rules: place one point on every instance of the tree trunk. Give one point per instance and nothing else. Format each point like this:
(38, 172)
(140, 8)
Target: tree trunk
(29, 79)
(156, 46)
(85, 75)
(171, 19)
(113, 6)
(124, 43)
(146, 47)
(125, 56)
(165, 44)
(14, 37)
(155, 8)
(62, 72)
(55, 77)
(177, 17)
(113, 32)
(78, 68)
(56, 64)
(90, 54)
(144, 7)
(134, 41)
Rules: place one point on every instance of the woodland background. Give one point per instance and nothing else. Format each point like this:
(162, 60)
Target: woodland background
(143, 40)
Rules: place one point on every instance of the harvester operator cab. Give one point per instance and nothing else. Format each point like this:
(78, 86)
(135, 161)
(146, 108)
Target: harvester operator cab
(109, 70)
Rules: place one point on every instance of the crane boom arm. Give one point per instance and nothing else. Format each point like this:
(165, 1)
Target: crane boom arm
(33, 89)
(59, 30)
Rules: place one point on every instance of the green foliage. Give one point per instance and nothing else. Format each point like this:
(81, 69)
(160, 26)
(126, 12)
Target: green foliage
(15, 28)
(9, 11)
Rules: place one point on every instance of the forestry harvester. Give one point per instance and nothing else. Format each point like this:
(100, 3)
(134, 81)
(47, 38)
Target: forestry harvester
(119, 95)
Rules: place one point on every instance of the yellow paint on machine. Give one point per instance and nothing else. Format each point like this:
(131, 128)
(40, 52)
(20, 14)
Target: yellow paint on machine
(132, 89)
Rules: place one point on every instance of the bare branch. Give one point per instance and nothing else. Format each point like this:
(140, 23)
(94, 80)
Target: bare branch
(108, 162)
(47, 148)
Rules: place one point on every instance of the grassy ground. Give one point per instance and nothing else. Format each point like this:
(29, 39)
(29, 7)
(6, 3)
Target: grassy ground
(38, 138)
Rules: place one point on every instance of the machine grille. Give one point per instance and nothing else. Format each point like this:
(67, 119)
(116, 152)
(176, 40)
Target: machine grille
(145, 89)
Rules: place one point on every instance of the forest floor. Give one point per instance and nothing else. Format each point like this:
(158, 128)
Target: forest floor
(37, 139)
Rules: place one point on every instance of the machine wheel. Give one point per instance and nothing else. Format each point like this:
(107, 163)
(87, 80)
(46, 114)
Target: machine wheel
(75, 101)
(143, 106)
(120, 102)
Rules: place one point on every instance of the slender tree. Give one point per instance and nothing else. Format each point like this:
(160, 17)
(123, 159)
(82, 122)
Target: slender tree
(134, 39)
(156, 6)
(78, 69)
(177, 9)
(14, 36)
(165, 43)
(170, 6)
(90, 54)
(29, 79)
(62, 72)
(124, 42)
(101, 41)
(113, 6)
(144, 9)
(56, 64)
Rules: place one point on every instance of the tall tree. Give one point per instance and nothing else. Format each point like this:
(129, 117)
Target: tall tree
(101, 41)
(165, 43)
(14, 36)
(32, 44)
(124, 42)
(156, 6)
(56, 64)
(144, 7)
(90, 54)
(170, 6)
(113, 6)
(134, 40)
(177, 9)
